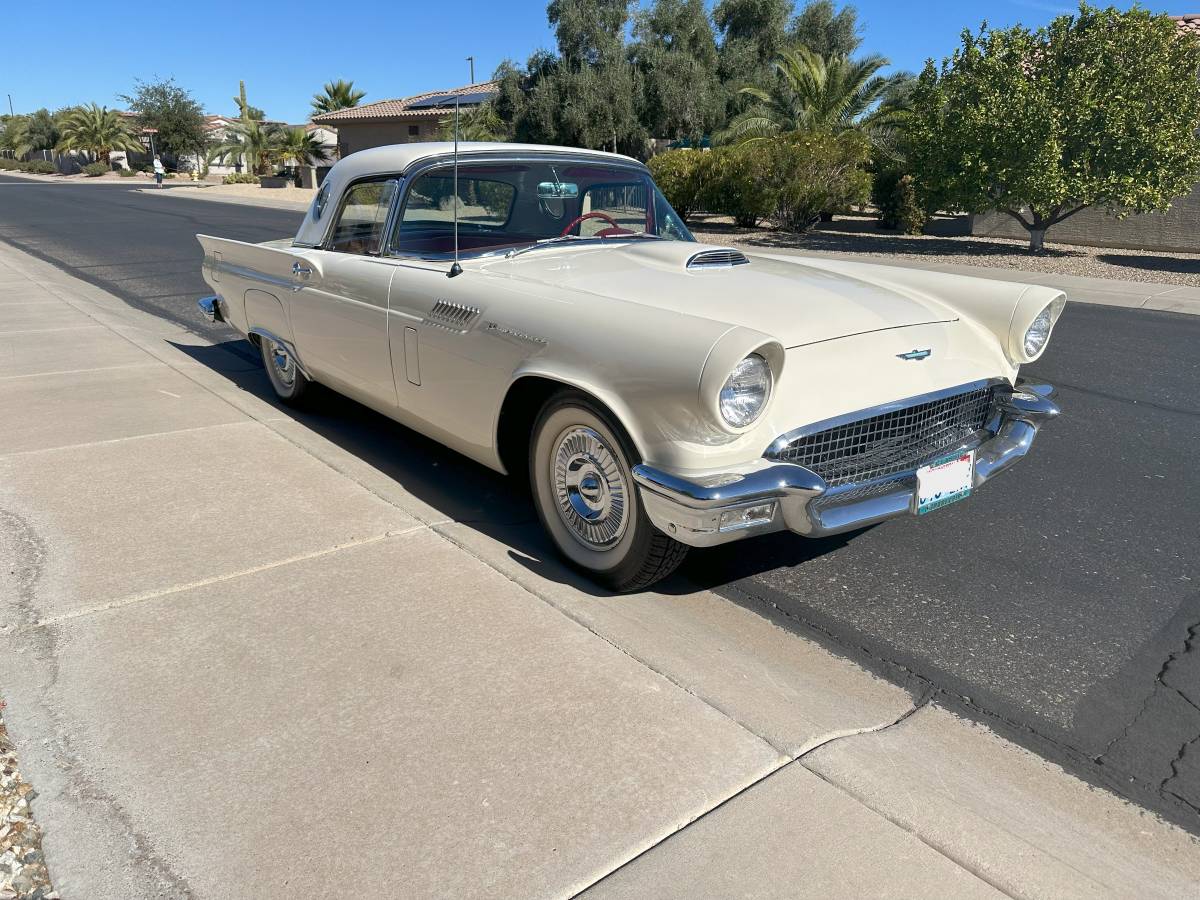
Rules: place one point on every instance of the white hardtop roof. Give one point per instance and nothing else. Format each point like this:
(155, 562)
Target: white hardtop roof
(396, 158)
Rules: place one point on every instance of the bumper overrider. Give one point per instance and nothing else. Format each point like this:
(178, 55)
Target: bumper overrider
(715, 508)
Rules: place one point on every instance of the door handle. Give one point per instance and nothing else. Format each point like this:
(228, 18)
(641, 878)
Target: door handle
(301, 271)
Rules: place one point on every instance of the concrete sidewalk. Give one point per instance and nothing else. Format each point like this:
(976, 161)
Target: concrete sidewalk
(251, 654)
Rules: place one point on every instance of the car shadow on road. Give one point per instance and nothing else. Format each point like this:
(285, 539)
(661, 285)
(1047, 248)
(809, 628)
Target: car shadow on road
(470, 494)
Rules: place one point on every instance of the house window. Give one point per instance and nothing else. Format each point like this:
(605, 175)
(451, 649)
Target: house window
(414, 130)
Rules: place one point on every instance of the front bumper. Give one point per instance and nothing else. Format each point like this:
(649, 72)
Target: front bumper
(716, 508)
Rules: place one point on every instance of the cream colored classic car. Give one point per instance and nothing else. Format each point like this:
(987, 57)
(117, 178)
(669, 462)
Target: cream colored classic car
(544, 310)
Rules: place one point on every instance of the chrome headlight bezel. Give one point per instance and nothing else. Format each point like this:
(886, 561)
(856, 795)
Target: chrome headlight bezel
(746, 392)
(1027, 343)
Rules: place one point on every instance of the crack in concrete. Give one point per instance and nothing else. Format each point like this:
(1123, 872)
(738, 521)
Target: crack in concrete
(30, 555)
(796, 759)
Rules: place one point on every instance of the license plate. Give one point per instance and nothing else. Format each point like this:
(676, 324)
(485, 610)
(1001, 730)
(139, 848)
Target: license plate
(944, 482)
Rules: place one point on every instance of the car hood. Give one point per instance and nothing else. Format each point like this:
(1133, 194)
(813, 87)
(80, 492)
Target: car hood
(792, 302)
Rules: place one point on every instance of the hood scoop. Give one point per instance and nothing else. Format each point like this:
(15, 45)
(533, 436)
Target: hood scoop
(721, 258)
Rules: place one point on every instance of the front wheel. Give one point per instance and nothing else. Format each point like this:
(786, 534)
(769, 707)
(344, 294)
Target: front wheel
(580, 470)
(286, 378)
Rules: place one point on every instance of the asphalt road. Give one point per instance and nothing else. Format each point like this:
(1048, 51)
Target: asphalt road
(1060, 605)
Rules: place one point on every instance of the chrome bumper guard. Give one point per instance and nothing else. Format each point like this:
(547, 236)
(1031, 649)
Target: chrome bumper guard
(210, 308)
(718, 508)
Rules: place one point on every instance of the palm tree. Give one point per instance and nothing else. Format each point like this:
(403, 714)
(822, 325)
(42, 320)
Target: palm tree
(812, 92)
(479, 123)
(256, 141)
(337, 95)
(297, 144)
(97, 131)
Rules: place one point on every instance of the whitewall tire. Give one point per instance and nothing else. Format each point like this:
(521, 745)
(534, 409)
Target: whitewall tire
(580, 471)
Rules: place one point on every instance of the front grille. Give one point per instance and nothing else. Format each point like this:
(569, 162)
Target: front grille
(892, 442)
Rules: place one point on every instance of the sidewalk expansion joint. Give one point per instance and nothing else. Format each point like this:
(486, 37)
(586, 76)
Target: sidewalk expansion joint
(145, 365)
(127, 438)
(119, 603)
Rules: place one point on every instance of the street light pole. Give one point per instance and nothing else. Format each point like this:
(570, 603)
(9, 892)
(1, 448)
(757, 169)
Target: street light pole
(471, 60)
(10, 111)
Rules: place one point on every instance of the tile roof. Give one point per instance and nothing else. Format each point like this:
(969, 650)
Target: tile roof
(1190, 24)
(392, 109)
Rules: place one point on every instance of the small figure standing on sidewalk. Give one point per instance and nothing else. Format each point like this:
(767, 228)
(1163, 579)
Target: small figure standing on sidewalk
(158, 171)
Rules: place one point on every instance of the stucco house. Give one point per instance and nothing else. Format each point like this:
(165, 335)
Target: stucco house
(402, 121)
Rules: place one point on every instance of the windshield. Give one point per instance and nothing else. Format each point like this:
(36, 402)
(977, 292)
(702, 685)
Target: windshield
(507, 205)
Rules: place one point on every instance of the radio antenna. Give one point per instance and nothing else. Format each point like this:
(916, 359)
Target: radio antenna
(455, 269)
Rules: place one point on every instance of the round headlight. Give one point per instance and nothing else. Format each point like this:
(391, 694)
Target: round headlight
(1039, 332)
(746, 391)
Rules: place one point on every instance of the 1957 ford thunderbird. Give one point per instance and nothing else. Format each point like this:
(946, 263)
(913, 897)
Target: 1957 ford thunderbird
(544, 310)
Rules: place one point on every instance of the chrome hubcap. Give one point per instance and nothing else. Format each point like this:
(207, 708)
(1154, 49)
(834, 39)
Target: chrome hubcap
(589, 487)
(285, 366)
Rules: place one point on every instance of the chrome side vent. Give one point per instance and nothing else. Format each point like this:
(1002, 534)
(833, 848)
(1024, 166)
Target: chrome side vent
(722, 258)
(455, 316)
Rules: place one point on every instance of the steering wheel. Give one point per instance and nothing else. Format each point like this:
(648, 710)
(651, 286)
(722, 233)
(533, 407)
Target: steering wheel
(612, 231)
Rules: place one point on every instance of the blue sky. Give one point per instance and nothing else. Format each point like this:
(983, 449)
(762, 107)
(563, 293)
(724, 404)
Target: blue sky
(71, 52)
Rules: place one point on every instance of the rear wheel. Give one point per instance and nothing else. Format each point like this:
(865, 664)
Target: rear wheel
(286, 378)
(580, 468)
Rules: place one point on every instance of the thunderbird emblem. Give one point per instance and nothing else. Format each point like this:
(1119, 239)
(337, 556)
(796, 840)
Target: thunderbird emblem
(915, 354)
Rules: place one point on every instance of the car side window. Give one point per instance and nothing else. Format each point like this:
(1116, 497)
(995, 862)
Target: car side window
(359, 228)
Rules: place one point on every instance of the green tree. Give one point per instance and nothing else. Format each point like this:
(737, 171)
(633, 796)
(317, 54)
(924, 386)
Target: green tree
(254, 141)
(96, 130)
(676, 54)
(584, 96)
(826, 32)
(1097, 109)
(753, 33)
(336, 95)
(812, 93)
(165, 106)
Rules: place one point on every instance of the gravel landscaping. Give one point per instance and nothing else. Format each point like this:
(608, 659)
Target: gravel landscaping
(859, 234)
(23, 873)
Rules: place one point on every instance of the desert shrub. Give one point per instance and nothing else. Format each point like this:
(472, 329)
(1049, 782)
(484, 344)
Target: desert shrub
(790, 180)
(894, 194)
(169, 175)
(41, 167)
(92, 170)
(240, 178)
(10, 165)
(816, 173)
(736, 184)
(681, 176)
(127, 173)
